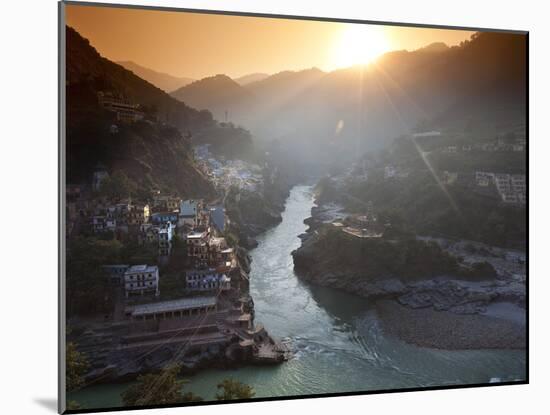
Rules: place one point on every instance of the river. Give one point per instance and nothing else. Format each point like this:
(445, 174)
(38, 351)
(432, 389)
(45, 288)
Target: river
(338, 344)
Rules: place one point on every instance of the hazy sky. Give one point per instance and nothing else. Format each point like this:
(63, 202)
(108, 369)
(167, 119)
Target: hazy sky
(198, 45)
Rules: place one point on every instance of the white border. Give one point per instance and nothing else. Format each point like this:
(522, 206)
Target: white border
(29, 177)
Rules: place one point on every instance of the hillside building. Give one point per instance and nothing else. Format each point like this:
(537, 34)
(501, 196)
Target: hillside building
(141, 279)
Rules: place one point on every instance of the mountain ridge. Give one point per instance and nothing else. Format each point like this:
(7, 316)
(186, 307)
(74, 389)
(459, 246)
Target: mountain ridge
(364, 107)
(162, 80)
(251, 77)
(152, 154)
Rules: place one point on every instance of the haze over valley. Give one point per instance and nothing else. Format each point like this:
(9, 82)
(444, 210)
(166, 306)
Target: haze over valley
(477, 85)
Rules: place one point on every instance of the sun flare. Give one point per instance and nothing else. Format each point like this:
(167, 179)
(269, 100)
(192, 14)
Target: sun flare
(359, 44)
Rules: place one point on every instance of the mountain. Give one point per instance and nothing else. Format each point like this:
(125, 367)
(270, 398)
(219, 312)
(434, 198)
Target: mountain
(435, 47)
(164, 81)
(321, 117)
(220, 94)
(151, 154)
(253, 77)
(87, 73)
(286, 84)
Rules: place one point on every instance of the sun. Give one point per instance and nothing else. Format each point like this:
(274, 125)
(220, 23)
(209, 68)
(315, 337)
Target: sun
(358, 44)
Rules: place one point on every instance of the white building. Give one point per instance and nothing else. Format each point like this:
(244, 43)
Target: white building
(141, 279)
(197, 247)
(207, 280)
(484, 178)
(102, 224)
(165, 234)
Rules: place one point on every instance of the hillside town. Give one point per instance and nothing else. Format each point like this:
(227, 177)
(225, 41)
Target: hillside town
(504, 185)
(206, 314)
(224, 173)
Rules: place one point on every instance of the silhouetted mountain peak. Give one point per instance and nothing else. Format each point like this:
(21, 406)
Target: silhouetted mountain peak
(253, 77)
(435, 47)
(215, 81)
(162, 80)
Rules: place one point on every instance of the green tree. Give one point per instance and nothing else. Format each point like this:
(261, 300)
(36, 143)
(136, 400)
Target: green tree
(77, 365)
(158, 389)
(117, 186)
(232, 389)
(178, 255)
(88, 290)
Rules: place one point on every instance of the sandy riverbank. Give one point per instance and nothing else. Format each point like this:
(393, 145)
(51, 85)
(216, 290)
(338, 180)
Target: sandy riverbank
(445, 330)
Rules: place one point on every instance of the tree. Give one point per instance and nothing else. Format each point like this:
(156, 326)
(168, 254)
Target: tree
(77, 365)
(88, 290)
(178, 255)
(232, 389)
(158, 389)
(118, 186)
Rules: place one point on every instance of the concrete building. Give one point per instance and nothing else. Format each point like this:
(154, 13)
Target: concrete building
(141, 279)
(102, 224)
(148, 234)
(197, 248)
(125, 111)
(207, 280)
(165, 234)
(189, 207)
(174, 309)
(484, 179)
(138, 214)
(164, 217)
(189, 211)
(218, 251)
(166, 203)
(510, 187)
(116, 272)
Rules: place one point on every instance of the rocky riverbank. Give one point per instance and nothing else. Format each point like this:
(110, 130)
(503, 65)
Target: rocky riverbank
(427, 327)
(429, 289)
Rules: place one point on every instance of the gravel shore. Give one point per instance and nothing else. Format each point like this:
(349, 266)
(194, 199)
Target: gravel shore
(426, 327)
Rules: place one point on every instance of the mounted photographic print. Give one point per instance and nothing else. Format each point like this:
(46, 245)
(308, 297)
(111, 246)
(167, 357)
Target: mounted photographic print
(258, 207)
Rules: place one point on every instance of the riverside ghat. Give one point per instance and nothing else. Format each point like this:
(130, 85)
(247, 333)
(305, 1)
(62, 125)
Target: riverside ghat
(197, 332)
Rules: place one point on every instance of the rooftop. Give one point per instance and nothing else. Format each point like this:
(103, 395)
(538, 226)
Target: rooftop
(195, 235)
(174, 305)
(142, 268)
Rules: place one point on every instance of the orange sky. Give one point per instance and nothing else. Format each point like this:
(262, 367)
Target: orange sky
(197, 45)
